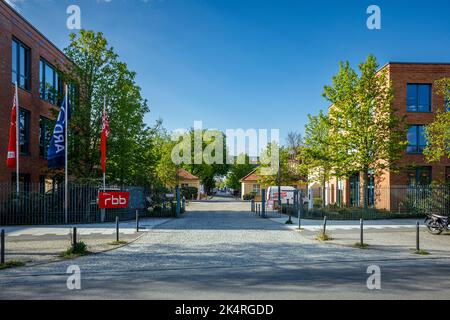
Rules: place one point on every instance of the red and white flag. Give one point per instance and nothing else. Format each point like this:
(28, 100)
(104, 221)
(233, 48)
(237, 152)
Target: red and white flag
(105, 135)
(13, 135)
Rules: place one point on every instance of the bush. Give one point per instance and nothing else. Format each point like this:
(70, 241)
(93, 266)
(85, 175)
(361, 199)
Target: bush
(189, 193)
(80, 249)
(250, 196)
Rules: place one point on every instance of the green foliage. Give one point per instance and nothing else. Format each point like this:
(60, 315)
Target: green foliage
(74, 251)
(438, 132)
(239, 170)
(367, 134)
(99, 74)
(214, 145)
(189, 193)
(268, 171)
(11, 264)
(249, 196)
(317, 155)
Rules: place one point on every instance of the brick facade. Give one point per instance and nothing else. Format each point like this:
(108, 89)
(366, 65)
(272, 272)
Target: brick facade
(12, 25)
(390, 187)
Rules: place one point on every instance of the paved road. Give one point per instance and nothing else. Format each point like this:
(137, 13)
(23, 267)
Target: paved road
(220, 251)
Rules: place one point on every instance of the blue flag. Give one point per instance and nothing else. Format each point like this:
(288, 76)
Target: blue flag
(56, 151)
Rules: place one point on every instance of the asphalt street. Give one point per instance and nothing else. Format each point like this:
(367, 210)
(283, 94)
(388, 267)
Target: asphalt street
(219, 250)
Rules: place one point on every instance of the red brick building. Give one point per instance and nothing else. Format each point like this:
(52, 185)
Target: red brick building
(415, 98)
(30, 59)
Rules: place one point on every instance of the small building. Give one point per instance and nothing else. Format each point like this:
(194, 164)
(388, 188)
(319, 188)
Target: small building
(250, 184)
(188, 180)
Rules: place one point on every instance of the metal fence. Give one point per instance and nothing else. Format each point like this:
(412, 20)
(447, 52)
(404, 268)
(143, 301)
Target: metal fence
(383, 203)
(40, 204)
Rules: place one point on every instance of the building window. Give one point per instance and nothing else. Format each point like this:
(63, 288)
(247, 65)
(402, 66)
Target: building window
(45, 134)
(420, 176)
(419, 97)
(257, 189)
(416, 139)
(50, 83)
(21, 64)
(24, 131)
(185, 185)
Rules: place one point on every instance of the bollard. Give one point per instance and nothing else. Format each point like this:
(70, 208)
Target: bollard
(252, 206)
(117, 229)
(263, 204)
(137, 221)
(300, 209)
(74, 239)
(362, 232)
(289, 212)
(325, 225)
(2, 247)
(418, 237)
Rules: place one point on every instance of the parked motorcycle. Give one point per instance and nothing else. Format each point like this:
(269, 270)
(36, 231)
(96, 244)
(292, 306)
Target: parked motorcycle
(437, 224)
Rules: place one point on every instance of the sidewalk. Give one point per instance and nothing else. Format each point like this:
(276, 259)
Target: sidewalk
(383, 235)
(42, 244)
(127, 227)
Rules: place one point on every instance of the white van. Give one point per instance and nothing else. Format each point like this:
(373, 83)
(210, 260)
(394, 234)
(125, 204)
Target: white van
(287, 193)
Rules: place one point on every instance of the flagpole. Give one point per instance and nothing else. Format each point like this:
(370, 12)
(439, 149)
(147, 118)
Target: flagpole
(104, 172)
(16, 97)
(66, 172)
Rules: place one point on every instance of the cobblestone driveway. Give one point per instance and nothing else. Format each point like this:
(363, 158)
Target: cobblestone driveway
(221, 251)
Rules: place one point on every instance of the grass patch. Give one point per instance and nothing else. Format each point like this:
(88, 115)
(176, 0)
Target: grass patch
(361, 246)
(11, 264)
(324, 237)
(117, 243)
(422, 252)
(80, 249)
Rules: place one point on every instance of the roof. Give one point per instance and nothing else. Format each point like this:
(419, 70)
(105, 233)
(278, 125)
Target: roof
(252, 176)
(186, 175)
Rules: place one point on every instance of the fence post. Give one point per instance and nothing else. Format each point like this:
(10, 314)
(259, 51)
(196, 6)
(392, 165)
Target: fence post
(362, 232)
(74, 239)
(117, 229)
(289, 212)
(263, 195)
(137, 220)
(325, 225)
(2, 247)
(418, 236)
(177, 191)
(300, 208)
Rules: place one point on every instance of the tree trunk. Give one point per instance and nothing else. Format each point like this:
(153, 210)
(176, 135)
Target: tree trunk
(365, 188)
(324, 183)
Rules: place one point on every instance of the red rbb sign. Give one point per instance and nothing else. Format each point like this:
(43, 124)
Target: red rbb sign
(113, 200)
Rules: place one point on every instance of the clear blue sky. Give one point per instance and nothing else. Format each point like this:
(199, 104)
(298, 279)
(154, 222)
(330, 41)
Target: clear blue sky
(248, 63)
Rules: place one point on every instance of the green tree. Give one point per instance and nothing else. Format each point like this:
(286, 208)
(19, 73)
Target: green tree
(98, 73)
(438, 132)
(317, 157)
(287, 173)
(240, 169)
(201, 165)
(368, 135)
